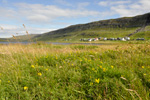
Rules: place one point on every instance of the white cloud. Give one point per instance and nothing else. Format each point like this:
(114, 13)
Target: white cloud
(63, 2)
(44, 14)
(4, 1)
(82, 5)
(7, 13)
(110, 3)
(38, 14)
(103, 3)
(127, 8)
(135, 8)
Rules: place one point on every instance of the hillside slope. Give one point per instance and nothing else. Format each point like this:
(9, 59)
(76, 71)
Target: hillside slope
(22, 37)
(126, 26)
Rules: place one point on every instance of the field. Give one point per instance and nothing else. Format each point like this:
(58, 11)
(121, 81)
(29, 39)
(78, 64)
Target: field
(63, 72)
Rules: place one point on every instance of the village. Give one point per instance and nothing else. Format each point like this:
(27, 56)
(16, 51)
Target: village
(111, 39)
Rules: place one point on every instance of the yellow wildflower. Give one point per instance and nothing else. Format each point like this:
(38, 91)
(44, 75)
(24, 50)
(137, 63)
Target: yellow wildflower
(40, 74)
(91, 83)
(32, 66)
(97, 80)
(104, 69)
(25, 88)
(8, 81)
(112, 66)
(93, 69)
(39, 84)
(46, 69)
(142, 66)
(100, 66)
(144, 74)
(0, 81)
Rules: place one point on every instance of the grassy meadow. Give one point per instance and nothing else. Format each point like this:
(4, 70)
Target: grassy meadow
(77, 72)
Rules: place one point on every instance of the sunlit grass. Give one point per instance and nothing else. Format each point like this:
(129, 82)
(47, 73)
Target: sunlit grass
(43, 71)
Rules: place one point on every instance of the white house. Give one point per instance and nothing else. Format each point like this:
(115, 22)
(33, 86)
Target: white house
(104, 38)
(123, 39)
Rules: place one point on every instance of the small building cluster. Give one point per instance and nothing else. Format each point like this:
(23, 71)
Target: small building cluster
(111, 39)
(140, 39)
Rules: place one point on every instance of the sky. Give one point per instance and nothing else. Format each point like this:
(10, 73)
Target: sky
(40, 16)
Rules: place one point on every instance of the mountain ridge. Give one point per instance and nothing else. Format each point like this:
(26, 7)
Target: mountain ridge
(137, 26)
(124, 22)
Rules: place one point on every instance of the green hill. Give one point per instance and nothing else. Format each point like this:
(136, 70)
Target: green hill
(135, 27)
(22, 37)
(2, 39)
(138, 26)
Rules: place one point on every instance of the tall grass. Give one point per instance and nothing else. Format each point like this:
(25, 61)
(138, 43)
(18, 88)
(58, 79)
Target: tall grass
(45, 72)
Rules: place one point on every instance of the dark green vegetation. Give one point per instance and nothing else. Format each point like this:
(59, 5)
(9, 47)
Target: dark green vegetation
(135, 27)
(20, 38)
(49, 72)
(2, 39)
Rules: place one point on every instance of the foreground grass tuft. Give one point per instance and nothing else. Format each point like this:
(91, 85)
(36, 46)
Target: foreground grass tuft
(111, 72)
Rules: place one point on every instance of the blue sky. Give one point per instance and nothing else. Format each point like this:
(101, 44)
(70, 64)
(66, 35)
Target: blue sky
(41, 16)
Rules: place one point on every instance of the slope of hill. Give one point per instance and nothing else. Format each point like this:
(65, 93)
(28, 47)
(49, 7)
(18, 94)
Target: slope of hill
(3, 39)
(121, 27)
(138, 26)
(22, 37)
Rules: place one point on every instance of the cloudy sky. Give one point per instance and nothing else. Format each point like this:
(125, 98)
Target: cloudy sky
(41, 16)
